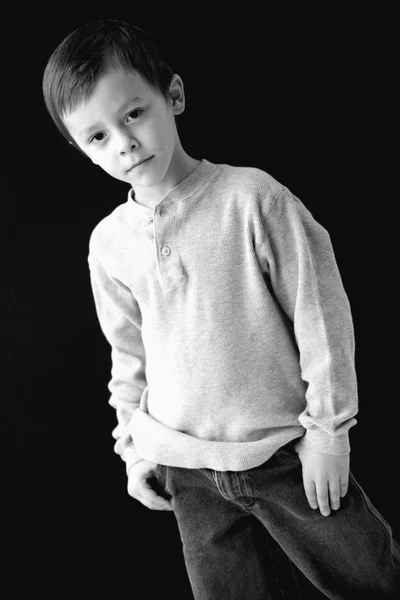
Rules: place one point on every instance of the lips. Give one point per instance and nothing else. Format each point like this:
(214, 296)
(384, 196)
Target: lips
(139, 163)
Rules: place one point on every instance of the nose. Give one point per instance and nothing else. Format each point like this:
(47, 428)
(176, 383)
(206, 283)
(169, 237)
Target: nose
(125, 142)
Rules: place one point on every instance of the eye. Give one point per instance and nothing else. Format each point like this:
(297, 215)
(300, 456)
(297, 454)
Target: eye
(137, 110)
(94, 137)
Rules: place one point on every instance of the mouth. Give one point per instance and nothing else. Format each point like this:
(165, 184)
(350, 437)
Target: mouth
(138, 164)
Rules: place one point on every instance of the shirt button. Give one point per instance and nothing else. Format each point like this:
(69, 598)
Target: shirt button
(166, 251)
(161, 212)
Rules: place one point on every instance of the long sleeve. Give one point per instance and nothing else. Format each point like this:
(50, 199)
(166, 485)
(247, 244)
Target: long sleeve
(120, 320)
(305, 278)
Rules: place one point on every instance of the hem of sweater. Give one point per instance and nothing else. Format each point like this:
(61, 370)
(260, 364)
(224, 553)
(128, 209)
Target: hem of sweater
(163, 445)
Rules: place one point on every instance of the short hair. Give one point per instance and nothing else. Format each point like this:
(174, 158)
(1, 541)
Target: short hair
(84, 56)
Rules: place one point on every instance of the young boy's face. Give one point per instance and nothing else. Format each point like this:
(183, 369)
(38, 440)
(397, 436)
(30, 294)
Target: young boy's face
(126, 121)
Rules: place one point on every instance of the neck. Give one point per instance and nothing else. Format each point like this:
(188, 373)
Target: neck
(178, 170)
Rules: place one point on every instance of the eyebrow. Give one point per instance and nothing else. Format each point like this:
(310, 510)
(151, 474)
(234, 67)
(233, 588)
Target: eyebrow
(96, 125)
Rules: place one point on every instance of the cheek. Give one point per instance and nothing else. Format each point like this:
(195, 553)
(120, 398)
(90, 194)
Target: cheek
(105, 159)
(161, 130)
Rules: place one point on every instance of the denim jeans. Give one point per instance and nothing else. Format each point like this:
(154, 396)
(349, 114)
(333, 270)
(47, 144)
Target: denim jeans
(225, 520)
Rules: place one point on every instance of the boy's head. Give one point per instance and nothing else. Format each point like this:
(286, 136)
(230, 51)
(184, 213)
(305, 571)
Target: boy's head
(114, 98)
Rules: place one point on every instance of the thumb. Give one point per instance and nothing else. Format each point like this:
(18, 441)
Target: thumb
(297, 447)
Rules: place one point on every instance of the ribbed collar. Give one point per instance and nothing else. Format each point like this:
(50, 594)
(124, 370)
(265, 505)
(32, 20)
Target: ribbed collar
(184, 189)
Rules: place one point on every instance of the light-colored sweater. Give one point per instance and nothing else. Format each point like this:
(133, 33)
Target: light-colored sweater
(230, 330)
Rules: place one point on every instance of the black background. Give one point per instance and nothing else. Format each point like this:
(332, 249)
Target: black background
(304, 97)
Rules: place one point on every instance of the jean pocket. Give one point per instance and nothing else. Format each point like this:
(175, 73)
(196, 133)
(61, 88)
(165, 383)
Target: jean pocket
(369, 505)
(161, 481)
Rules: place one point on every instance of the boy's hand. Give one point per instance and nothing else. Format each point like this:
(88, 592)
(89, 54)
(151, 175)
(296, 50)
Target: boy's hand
(325, 478)
(142, 485)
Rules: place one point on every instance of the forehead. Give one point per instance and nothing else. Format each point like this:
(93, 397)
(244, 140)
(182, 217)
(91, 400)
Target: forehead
(112, 93)
(117, 84)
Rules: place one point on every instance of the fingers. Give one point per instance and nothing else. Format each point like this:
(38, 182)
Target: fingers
(334, 494)
(150, 499)
(311, 494)
(323, 495)
(323, 498)
(344, 484)
(143, 485)
(325, 479)
(143, 492)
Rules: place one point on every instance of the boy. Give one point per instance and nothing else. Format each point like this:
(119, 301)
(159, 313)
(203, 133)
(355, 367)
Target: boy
(231, 337)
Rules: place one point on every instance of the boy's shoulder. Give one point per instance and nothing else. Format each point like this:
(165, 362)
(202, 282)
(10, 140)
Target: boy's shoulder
(107, 230)
(250, 181)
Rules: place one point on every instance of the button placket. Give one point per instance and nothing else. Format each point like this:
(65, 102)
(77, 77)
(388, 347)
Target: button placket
(165, 250)
(169, 268)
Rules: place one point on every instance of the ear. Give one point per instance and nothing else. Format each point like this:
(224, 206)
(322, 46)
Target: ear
(177, 95)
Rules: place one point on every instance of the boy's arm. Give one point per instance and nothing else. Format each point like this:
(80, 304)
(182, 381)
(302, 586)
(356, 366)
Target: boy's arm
(120, 320)
(300, 260)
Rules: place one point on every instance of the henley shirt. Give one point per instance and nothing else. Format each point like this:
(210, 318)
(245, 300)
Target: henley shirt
(231, 333)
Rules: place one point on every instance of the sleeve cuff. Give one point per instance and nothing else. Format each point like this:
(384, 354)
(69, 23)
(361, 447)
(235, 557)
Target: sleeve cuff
(320, 441)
